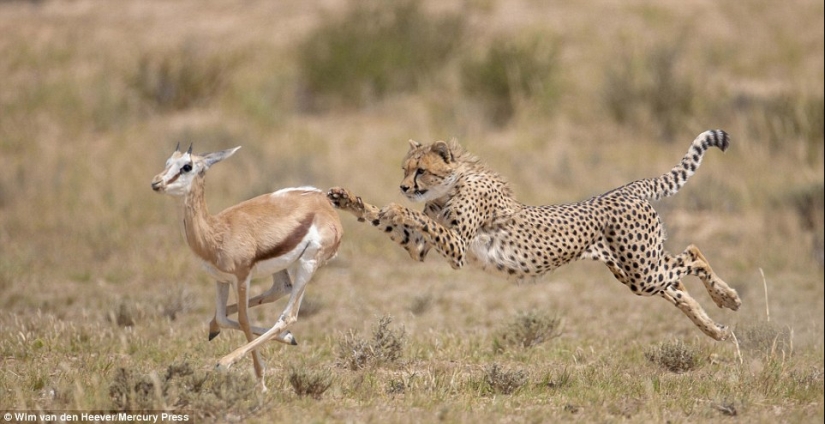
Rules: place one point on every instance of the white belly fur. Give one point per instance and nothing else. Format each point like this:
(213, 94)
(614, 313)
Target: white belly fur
(269, 266)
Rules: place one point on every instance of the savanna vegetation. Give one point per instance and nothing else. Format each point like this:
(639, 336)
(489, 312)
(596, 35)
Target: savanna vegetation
(103, 307)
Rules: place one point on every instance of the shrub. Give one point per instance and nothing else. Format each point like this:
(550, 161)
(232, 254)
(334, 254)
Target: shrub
(309, 383)
(764, 338)
(376, 49)
(421, 304)
(504, 381)
(210, 395)
(674, 356)
(777, 117)
(648, 87)
(385, 346)
(180, 78)
(527, 329)
(510, 72)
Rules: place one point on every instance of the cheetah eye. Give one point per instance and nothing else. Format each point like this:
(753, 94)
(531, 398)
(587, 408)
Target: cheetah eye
(419, 171)
(186, 168)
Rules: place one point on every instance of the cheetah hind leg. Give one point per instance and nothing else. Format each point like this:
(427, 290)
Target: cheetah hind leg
(722, 294)
(678, 296)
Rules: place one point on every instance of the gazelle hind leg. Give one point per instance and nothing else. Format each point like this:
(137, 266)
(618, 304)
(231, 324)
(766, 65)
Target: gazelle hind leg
(722, 294)
(679, 297)
(301, 273)
(280, 287)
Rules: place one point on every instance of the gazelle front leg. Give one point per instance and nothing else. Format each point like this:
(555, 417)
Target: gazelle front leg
(243, 321)
(302, 274)
(280, 287)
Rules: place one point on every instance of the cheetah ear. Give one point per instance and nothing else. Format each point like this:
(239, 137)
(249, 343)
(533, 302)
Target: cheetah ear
(443, 150)
(414, 144)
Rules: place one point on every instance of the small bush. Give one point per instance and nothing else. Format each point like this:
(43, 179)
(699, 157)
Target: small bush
(649, 88)
(124, 316)
(181, 78)
(309, 383)
(421, 304)
(527, 329)
(764, 338)
(353, 352)
(511, 72)
(209, 395)
(377, 48)
(674, 356)
(777, 117)
(179, 301)
(385, 346)
(504, 381)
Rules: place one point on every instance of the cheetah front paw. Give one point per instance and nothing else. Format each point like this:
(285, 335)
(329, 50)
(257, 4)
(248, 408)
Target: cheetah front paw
(343, 199)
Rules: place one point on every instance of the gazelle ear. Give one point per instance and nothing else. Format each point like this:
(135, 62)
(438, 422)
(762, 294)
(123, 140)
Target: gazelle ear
(177, 148)
(414, 144)
(210, 159)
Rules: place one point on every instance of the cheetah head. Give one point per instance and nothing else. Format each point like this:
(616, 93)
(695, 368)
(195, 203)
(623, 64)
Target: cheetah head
(430, 171)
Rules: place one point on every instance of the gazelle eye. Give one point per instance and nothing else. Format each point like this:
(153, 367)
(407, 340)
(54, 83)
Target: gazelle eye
(186, 168)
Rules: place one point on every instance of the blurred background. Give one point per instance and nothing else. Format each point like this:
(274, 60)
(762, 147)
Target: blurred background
(565, 99)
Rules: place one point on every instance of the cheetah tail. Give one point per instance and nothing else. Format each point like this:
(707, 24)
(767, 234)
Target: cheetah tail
(670, 183)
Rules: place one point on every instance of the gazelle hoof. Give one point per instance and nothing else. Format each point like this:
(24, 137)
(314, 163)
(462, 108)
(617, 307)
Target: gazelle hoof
(212, 335)
(290, 339)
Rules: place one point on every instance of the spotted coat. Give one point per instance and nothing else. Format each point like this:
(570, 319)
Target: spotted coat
(471, 215)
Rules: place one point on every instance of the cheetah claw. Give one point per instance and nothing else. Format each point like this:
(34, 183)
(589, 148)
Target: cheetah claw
(341, 198)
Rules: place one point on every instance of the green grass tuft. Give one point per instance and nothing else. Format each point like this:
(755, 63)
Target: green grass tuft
(512, 72)
(377, 48)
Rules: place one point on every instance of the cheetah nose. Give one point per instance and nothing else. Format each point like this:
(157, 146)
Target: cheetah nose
(404, 188)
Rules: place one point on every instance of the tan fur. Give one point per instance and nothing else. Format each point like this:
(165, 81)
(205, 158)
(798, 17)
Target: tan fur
(289, 234)
(470, 214)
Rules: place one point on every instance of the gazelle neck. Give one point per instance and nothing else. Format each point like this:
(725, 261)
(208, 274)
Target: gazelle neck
(198, 224)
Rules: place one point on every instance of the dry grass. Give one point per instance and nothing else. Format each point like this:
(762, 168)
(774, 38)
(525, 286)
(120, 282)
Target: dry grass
(103, 307)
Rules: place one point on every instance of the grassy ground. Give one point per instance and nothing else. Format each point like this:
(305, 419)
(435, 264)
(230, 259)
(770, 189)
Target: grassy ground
(102, 306)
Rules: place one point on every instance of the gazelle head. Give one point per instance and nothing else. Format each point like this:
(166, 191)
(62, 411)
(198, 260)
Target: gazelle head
(182, 168)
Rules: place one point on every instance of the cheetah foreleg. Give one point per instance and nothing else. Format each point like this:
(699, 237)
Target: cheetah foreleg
(411, 241)
(446, 241)
(343, 199)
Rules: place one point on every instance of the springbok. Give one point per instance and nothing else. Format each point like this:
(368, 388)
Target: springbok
(289, 234)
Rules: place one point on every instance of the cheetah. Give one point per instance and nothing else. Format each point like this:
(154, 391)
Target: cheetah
(470, 214)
